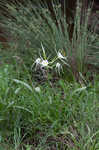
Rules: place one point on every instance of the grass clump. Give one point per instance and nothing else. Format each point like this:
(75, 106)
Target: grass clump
(32, 25)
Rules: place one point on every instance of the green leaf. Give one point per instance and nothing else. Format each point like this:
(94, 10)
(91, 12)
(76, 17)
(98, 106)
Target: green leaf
(24, 84)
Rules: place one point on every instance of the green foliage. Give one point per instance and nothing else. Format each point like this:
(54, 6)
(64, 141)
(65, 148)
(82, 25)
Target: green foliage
(65, 110)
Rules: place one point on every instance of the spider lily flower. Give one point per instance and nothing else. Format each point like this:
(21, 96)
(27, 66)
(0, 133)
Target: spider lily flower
(60, 56)
(44, 63)
(38, 61)
(58, 67)
(41, 62)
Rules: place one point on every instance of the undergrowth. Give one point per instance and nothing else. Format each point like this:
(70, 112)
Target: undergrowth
(61, 116)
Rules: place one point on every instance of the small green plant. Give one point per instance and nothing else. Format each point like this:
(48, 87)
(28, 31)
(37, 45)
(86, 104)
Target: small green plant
(56, 63)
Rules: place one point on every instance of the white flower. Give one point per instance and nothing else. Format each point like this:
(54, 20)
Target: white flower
(37, 89)
(58, 65)
(44, 63)
(38, 61)
(60, 56)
